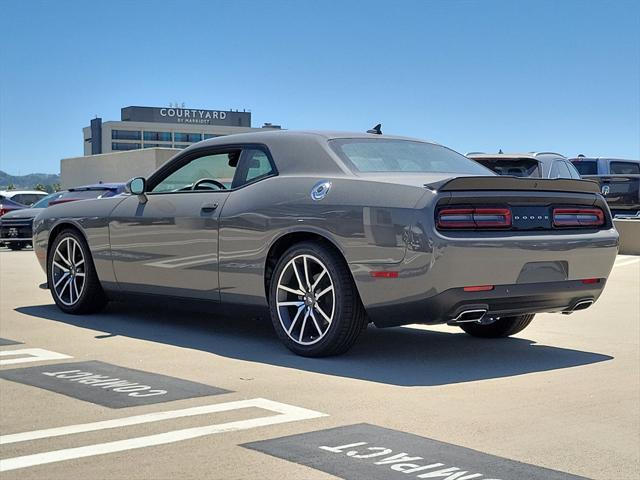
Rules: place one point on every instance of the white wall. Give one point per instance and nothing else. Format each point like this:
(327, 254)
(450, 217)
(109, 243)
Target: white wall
(112, 167)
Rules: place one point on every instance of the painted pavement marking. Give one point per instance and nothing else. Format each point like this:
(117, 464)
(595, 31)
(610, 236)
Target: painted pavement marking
(28, 355)
(109, 385)
(375, 453)
(285, 413)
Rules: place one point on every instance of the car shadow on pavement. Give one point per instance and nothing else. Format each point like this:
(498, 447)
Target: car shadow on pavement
(395, 356)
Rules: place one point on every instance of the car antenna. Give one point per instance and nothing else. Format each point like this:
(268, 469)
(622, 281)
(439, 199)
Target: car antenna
(500, 152)
(376, 130)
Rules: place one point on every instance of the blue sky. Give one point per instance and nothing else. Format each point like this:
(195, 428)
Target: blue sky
(473, 75)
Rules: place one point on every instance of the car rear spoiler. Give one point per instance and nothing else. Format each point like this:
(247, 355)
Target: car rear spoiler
(514, 183)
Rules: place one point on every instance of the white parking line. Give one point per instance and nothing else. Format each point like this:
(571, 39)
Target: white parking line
(287, 413)
(28, 355)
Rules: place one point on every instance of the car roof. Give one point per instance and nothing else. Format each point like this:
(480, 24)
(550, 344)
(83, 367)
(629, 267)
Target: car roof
(97, 186)
(297, 152)
(502, 156)
(258, 137)
(538, 156)
(605, 158)
(511, 156)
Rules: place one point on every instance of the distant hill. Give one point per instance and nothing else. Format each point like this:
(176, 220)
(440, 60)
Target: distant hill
(27, 181)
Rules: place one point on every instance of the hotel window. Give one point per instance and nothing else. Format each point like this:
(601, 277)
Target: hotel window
(187, 137)
(156, 145)
(158, 136)
(126, 135)
(124, 146)
(180, 146)
(210, 135)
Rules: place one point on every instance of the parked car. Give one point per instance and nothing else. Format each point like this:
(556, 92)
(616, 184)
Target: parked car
(16, 227)
(330, 231)
(536, 165)
(7, 205)
(87, 192)
(24, 197)
(619, 181)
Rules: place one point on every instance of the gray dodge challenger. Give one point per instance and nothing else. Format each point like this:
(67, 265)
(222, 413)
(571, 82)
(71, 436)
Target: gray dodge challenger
(328, 232)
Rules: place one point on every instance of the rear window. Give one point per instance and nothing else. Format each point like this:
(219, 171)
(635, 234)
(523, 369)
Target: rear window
(625, 168)
(515, 167)
(27, 198)
(380, 155)
(586, 167)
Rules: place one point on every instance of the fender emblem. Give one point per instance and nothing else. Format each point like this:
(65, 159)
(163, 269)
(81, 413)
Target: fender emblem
(320, 190)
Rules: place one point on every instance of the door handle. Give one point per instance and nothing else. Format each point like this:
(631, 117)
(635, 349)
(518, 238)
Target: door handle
(209, 207)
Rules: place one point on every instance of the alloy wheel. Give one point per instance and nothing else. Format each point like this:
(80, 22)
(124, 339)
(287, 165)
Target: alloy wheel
(305, 299)
(68, 271)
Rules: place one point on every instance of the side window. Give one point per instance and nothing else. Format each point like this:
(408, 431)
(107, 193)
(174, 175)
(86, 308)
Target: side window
(572, 170)
(625, 168)
(206, 173)
(18, 198)
(560, 170)
(26, 198)
(254, 165)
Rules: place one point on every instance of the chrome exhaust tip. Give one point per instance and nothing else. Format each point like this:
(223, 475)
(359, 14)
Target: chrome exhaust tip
(474, 315)
(581, 305)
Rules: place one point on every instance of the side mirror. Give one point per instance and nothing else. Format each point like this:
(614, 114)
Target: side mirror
(137, 186)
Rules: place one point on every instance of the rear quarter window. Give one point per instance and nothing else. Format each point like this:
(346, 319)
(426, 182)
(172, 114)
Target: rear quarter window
(574, 173)
(625, 168)
(560, 170)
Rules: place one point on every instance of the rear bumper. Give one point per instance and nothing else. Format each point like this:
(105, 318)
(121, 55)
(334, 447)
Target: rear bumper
(503, 300)
(16, 239)
(531, 273)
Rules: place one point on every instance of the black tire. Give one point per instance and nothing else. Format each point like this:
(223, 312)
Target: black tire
(15, 246)
(92, 297)
(349, 317)
(503, 327)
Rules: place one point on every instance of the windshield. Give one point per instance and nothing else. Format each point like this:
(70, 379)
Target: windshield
(88, 194)
(44, 202)
(381, 155)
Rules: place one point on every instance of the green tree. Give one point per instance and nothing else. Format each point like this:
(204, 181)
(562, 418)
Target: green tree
(11, 187)
(56, 187)
(40, 187)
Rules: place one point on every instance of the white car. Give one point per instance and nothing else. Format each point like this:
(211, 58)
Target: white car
(25, 197)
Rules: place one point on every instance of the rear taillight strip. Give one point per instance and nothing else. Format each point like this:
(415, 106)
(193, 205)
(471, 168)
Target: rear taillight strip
(578, 217)
(477, 218)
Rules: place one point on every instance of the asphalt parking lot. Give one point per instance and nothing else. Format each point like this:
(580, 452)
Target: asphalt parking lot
(142, 392)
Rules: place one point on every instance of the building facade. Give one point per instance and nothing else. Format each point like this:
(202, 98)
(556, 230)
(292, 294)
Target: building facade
(163, 127)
